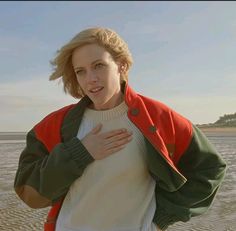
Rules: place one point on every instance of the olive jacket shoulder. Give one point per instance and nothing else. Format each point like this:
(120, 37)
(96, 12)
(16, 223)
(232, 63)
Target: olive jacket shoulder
(187, 168)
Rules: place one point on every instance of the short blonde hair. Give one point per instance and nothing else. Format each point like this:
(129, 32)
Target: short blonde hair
(104, 37)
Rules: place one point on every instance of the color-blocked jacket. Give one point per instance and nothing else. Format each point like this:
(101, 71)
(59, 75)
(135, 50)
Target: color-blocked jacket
(187, 168)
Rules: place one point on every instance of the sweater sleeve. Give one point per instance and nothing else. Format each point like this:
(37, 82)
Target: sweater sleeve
(42, 178)
(204, 169)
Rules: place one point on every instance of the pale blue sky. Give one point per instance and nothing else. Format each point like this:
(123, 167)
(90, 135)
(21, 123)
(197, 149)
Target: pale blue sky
(184, 54)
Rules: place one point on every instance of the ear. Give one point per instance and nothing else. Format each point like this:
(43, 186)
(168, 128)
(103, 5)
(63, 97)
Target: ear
(122, 67)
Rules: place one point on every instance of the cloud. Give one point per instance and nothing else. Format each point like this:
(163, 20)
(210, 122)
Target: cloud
(184, 54)
(203, 109)
(17, 45)
(201, 102)
(25, 103)
(22, 56)
(197, 108)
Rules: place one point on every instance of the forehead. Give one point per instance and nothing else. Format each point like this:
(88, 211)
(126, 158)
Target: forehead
(87, 54)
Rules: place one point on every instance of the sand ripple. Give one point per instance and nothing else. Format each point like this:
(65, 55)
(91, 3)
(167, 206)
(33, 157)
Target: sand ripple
(15, 215)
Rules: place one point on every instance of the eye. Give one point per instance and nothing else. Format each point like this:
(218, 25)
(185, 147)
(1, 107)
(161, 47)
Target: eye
(80, 72)
(99, 65)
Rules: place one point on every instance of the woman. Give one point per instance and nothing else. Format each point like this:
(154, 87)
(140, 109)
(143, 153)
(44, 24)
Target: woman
(116, 160)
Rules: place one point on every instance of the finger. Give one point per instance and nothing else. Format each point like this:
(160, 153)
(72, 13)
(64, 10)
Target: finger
(118, 143)
(118, 137)
(114, 133)
(96, 129)
(113, 150)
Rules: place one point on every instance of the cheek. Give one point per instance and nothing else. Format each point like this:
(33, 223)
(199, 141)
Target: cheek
(79, 80)
(114, 75)
(81, 84)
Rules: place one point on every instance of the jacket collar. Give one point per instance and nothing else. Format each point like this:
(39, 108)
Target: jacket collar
(129, 94)
(137, 112)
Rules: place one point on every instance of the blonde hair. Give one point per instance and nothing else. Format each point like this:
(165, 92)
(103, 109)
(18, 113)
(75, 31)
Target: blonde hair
(104, 37)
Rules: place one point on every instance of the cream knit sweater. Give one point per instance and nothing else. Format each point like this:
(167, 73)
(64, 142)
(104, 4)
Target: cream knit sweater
(115, 193)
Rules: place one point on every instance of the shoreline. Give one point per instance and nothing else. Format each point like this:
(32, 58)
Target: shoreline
(218, 129)
(13, 135)
(22, 135)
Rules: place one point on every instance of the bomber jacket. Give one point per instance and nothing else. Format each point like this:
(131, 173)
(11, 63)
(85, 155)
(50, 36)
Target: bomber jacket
(186, 167)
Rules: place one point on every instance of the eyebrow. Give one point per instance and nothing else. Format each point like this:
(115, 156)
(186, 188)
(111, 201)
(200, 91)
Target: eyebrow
(91, 63)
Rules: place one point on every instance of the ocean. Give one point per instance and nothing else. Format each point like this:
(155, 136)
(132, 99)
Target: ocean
(15, 215)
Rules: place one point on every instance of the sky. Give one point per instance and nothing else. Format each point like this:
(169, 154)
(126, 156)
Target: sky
(184, 54)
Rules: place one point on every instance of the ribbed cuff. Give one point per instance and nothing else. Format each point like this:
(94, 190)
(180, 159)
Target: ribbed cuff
(79, 153)
(163, 220)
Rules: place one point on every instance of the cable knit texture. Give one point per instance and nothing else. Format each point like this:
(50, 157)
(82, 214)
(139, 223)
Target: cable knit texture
(115, 193)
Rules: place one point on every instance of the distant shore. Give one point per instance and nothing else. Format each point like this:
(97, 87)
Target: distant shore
(218, 129)
(13, 135)
(206, 129)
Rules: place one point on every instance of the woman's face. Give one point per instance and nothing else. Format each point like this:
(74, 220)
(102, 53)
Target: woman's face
(98, 75)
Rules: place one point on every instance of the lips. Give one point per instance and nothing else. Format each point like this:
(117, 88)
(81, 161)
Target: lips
(95, 89)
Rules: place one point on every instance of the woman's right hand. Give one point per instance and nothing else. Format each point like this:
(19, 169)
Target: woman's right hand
(101, 145)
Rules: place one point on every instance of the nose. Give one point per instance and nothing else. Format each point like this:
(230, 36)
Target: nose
(92, 77)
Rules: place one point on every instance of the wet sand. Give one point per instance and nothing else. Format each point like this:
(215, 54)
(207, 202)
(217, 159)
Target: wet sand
(219, 129)
(15, 215)
(12, 136)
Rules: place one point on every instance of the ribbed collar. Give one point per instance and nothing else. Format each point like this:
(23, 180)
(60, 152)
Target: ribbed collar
(104, 115)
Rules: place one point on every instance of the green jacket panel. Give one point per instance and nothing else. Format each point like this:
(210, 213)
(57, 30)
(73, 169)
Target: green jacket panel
(187, 177)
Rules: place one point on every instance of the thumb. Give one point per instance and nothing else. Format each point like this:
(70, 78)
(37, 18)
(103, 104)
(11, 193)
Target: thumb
(96, 129)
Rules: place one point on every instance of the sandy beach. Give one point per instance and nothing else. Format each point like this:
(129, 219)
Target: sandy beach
(219, 129)
(12, 136)
(15, 215)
